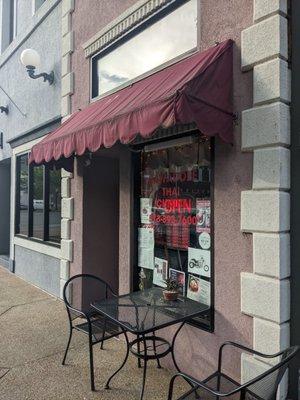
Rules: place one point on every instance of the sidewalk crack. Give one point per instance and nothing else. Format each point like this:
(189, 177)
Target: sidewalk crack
(6, 311)
(41, 358)
(24, 304)
(3, 372)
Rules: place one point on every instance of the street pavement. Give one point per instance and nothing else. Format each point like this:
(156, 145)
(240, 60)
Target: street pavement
(33, 337)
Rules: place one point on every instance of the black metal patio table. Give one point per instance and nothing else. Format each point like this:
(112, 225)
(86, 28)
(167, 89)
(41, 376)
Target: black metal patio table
(142, 313)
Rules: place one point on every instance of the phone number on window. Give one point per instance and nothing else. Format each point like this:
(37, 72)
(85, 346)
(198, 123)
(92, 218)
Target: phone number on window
(174, 219)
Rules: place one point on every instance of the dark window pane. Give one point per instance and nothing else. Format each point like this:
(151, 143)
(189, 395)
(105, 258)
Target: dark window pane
(22, 195)
(157, 44)
(54, 205)
(11, 20)
(38, 202)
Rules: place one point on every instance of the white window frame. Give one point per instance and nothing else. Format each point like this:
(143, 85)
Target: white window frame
(34, 6)
(36, 245)
(15, 27)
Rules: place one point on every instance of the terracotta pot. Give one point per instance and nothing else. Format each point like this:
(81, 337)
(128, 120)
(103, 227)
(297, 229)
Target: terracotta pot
(170, 295)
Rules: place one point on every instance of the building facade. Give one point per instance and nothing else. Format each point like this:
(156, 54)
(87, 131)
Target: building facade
(251, 200)
(115, 203)
(32, 108)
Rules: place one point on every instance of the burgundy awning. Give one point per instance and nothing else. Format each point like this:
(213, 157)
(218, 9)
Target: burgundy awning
(197, 89)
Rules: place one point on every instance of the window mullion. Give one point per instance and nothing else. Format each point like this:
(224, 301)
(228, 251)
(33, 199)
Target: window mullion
(46, 203)
(30, 200)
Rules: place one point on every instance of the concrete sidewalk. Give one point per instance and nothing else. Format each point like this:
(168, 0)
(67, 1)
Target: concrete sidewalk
(33, 337)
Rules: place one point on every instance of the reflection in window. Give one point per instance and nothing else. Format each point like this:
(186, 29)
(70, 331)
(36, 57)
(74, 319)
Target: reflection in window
(174, 235)
(22, 193)
(158, 43)
(37, 4)
(38, 202)
(54, 205)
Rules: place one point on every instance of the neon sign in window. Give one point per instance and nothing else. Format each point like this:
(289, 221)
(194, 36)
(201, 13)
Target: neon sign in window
(175, 235)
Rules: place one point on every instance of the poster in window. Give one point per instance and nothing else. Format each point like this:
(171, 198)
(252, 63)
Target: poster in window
(179, 277)
(203, 215)
(146, 210)
(199, 261)
(160, 272)
(146, 257)
(204, 240)
(146, 237)
(198, 289)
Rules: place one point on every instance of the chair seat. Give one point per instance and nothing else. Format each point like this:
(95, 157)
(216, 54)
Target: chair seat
(98, 325)
(226, 385)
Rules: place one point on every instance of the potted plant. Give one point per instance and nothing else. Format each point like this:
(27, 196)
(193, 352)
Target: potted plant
(171, 290)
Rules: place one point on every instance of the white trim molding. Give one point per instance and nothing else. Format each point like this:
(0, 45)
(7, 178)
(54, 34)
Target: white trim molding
(67, 77)
(34, 245)
(67, 89)
(265, 209)
(67, 215)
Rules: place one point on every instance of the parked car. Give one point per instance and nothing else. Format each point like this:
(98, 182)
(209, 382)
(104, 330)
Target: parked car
(38, 204)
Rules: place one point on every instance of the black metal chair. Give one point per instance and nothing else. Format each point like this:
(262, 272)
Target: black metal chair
(78, 293)
(219, 385)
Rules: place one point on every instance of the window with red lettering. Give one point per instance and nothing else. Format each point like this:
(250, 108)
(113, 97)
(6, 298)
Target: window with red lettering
(175, 233)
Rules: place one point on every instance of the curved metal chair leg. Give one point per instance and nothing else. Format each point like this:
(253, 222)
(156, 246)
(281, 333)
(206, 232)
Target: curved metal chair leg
(123, 363)
(68, 345)
(91, 363)
(175, 362)
(171, 386)
(173, 344)
(145, 368)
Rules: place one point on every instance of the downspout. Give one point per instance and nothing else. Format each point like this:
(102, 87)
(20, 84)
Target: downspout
(294, 372)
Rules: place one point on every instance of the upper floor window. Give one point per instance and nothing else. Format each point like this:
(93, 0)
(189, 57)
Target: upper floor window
(37, 4)
(164, 38)
(7, 23)
(38, 201)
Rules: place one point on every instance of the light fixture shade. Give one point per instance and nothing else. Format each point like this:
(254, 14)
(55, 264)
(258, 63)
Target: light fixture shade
(30, 57)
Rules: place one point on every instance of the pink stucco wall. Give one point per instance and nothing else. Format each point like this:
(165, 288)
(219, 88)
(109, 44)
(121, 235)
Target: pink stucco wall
(220, 20)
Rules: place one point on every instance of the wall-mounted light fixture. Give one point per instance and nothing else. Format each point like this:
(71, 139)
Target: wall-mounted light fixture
(4, 109)
(31, 60)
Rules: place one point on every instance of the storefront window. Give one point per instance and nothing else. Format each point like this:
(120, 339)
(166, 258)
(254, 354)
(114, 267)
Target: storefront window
(38, 201)
(154, 44)
(175, 230)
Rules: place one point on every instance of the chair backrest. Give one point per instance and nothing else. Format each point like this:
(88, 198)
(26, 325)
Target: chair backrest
(83, 289)
(265, 385)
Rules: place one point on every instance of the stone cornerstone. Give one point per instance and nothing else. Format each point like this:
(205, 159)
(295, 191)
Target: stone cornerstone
(265, 210)
(67, 89)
